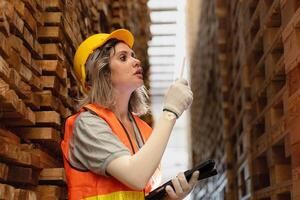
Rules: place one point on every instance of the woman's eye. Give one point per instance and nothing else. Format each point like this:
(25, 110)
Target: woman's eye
(133, 55)
(123, 58)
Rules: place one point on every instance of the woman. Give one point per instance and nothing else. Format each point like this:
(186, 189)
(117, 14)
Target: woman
(109, 152)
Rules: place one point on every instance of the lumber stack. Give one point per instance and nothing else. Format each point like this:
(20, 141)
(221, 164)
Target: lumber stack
(38, 89)
(257, 54)
(206, 110)
(290, 11)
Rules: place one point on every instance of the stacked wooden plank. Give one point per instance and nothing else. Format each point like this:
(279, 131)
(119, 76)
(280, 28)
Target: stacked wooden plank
(21, 96)
(208, 140)
(259, 61)
(271, 166)
(234, 101)
(290, 12)
(38, 89)
(239, 105)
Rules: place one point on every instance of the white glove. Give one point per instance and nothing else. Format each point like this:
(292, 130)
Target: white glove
(178, 97)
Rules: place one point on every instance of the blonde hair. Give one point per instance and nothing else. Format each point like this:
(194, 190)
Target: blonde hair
(101, 88)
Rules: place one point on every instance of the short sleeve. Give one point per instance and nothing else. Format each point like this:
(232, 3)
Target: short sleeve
(94, 145)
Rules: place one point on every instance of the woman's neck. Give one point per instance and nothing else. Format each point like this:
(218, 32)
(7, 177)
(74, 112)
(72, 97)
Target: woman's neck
(121, 107)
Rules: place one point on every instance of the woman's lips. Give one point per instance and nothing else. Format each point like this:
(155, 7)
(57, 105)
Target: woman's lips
(139, 73)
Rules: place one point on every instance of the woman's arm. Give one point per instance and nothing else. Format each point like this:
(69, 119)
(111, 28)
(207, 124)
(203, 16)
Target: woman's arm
(135, 171)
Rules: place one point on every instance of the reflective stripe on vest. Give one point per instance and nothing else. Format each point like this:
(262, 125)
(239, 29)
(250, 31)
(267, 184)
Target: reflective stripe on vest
(87, 185)
(124, 195)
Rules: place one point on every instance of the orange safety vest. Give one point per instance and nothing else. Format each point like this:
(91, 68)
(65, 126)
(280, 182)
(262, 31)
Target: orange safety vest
(90, 186)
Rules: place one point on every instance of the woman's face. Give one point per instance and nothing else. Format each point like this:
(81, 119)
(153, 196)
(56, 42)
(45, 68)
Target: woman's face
(126, 70)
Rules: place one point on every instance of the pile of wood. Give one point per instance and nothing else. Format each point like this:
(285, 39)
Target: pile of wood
(206, 111)
(257, 56)
(38, 89)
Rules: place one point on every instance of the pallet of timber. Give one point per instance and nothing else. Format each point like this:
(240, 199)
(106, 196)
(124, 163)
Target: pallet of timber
(279, 165)
(3, 172)
(48, 137)
(4, 70)
(49, 34)
(293, 81)
(28, 40)
(30, 78)
(261, 138)
(270, 124)
(49, 101)
(46, 159)
(273, 48)
(295, 150)
(4, 24)
(53, 176)
(296, 182)
(290, 36)
(48, 118)
(51, 192)
(23, 176)
(15, 83)
(9, 137)
(33, 100)
(71, 33)
(25, 88)
(276, 74)
(16, 24)
(53, 5)
(32, 45)
(254, 21)
(242, 148)
(21, 115)
(51, 83)
(4, 45)
(276, 117)
(7, 192)
(53, 67)
(282, 190)
(272, 172)
(14, 108)
(244, 180)
(293, 117)
(12, 152)
(53, 18)
(270, 13)
(260, 173)
(288, 9)
(52, 51)
(22, 194)
(23, 12)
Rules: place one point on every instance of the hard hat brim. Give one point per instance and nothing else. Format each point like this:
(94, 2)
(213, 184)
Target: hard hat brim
(122, 34)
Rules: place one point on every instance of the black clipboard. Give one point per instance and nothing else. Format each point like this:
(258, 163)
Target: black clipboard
(206, 170)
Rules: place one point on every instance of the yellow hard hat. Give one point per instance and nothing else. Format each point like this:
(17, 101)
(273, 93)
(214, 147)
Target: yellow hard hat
(93, 42)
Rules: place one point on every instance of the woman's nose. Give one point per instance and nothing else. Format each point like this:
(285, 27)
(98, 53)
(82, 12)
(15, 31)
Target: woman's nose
(137, 62)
